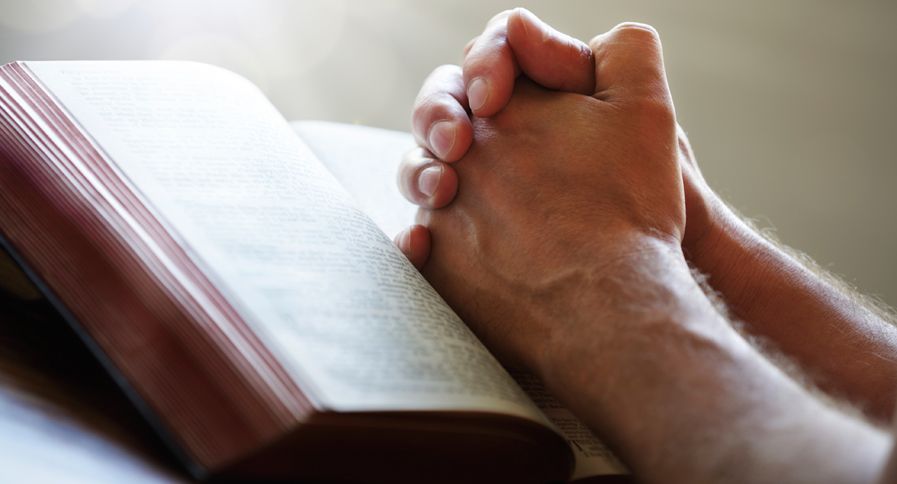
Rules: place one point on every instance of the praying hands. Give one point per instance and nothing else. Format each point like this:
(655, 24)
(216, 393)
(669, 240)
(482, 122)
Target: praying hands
(564, 217)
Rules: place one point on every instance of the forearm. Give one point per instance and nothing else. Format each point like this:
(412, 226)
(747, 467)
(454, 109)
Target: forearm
(658, 373)
(843, 344)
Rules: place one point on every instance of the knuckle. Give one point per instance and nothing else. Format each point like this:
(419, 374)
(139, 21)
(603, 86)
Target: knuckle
(655, 106)
(500, 16)
(446, 71)
(470, 45)
(433, 106)
(438, 86)
(657, 110)
(440, 79)
(636, 32)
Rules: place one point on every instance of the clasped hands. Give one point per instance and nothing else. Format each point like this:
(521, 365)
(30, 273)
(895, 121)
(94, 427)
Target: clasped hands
(562, 215)
(543, 163)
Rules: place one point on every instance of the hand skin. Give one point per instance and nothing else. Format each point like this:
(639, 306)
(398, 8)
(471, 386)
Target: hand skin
(564, 254)
(842, 344)
(514, 200)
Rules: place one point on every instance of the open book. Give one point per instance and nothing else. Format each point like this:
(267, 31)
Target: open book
(237, 277)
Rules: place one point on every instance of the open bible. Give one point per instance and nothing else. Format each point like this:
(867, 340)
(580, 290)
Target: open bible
(236, 276)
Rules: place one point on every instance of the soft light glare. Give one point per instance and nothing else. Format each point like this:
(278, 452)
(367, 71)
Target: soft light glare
(219, 50)
(104, 8)
(37, 15)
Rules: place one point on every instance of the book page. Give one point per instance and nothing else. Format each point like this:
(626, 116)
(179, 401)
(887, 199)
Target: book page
(365, 161)
(326, 290)
(592, 457)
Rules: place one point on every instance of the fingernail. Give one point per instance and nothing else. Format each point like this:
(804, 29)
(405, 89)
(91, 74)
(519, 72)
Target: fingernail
(429, 180)
(442, 138)
(477, 93)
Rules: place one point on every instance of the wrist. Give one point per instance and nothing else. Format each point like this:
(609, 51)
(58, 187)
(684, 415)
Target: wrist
(733, 255)
(648, 293)
(647, 335)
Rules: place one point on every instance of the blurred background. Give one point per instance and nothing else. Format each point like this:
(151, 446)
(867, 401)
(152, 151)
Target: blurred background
(791, 106)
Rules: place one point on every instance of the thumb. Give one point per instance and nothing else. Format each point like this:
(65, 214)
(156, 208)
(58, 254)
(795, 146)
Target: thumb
(629, 63)
(548, 57)
(515, 42)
